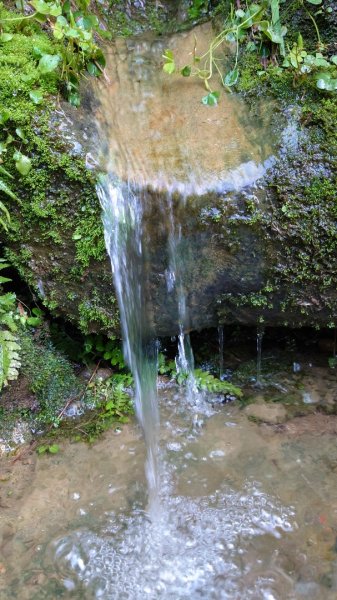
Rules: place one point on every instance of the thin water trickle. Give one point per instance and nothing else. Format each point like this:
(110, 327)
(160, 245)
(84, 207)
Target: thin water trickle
(176, 280)
(259, 338)
(123, 224)
(221, 333)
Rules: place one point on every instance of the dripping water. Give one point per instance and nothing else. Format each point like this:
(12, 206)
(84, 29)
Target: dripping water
(176, 276)
(123, 230)
(259, 338)
(221, 333)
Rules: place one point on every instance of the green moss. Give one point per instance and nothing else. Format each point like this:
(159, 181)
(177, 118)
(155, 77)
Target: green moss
(89, 238)
(93, 313)
(58, 214)
(50, 376)
(299, 227)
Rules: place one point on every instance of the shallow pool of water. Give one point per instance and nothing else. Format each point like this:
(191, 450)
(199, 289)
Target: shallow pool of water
(246, 511)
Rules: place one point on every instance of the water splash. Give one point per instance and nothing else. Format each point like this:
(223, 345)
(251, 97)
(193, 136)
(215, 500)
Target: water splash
(186, 557)
(123, 220)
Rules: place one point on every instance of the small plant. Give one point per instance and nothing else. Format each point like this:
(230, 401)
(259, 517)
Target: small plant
(97, 347)
(197, 9)
(75, 27)
(241, 23)
(323, 70)
(48, 449)
(9, 346)
(259, 27)
(332, 361)
(204, 380)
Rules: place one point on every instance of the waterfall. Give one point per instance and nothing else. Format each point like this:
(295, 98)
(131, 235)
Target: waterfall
(123, 226)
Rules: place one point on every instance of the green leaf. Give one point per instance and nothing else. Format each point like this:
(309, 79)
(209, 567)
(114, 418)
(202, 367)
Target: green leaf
(316, 2)
(23, 163)
(169, 67)
(53, 449)
(168, 55)
(186, 71)
(324, 81)
(211, 99)
(93, 70)
(4, 188)
(74, 99)
(34, 321)
(36, 96)
(232, 78)
(20, 134)
(40, 18)
(4, 172)
(42, 449)
(4, 116)
(333, 59)
(99, 58)
(87, 22)
(48, 63)
(46, 8)
(6, 37)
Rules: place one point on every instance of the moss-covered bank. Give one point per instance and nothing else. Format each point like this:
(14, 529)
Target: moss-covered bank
(56, 237)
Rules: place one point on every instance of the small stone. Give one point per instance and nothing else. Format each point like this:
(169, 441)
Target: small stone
(267, 413)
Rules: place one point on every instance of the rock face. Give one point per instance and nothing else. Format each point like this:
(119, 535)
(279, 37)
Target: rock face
(211, 191)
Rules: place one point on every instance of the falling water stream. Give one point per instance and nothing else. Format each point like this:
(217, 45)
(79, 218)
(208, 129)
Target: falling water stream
(123, 226)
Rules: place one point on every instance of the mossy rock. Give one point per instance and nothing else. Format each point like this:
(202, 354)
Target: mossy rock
(272, 259)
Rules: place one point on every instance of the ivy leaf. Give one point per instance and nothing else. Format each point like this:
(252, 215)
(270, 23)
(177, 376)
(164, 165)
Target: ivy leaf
(48, 63)
(186, 71)
(211, 99)
(45, 8)
(326, 82)
(232, 77)
(23, 163)
(36, 96)
(169, 67)
(87, 22)
(6, 37)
